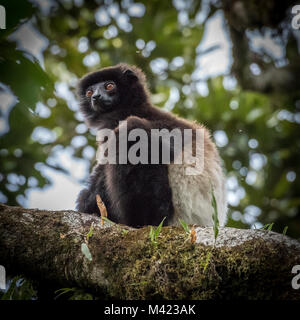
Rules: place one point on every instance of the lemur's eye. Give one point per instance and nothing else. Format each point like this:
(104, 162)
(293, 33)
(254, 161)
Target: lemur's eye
(89, 93)
(109, 86)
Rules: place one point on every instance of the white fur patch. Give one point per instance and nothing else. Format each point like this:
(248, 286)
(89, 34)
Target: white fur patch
(191, 195)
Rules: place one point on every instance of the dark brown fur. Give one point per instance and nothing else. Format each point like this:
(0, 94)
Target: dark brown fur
(135, 195)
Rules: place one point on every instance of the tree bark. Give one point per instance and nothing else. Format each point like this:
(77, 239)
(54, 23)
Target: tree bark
(126, 264)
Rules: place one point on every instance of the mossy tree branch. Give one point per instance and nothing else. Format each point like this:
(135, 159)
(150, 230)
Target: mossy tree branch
(46, 245)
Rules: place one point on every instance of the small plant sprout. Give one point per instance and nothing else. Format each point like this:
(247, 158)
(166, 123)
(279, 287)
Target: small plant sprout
(268, 226)
(215, 214)
(285, 230)
(184, 226)
(191, 233)
(108, 221)
(90, 233)
(207, 261)
(111, 224)
(154, 233)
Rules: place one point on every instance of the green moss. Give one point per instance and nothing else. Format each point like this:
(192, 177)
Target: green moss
(177, 269)
(174, 268)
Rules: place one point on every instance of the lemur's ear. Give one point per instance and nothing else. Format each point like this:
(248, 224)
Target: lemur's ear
(131, 76)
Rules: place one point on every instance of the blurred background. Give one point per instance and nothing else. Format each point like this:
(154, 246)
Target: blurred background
(231, 65)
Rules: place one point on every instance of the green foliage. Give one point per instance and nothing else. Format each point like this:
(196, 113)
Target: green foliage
(207, 261)
(184, 226)
(90, 233)
(268, 226)
(111, 223)
(154, 232)
(215, 215)
(19, 289)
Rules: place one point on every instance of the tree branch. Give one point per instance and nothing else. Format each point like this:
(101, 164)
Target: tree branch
(47, 246)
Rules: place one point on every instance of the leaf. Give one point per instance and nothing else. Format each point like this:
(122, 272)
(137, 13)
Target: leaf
(207, 261)
(90, 233)
(9, 293)
(151, 234)
(158, 229)
(185, 226)
(154, 233)
(285, 230)
(86, 251)
(254, 114)
(109, 221)
(215, 215)
(270, 226)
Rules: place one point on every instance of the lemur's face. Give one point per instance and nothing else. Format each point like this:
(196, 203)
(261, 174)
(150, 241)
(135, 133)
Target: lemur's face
(103, 96)
(111, 92)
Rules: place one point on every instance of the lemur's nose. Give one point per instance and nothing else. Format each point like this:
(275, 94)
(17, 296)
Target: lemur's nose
(96, 96)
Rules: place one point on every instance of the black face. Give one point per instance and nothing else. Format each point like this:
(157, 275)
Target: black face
(112, 93)
(103, 96)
